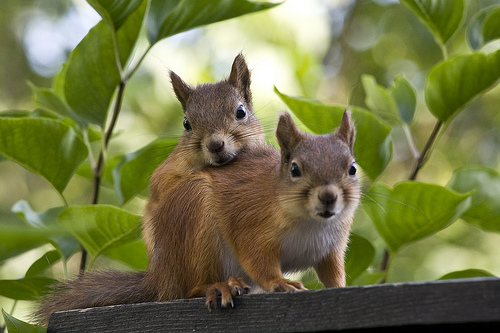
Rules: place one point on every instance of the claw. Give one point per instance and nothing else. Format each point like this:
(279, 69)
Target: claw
(233, 286)
(227, 302)
(211, 305)
(283, 285)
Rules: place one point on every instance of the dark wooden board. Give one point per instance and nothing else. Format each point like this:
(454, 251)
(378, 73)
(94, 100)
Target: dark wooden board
(470, 303)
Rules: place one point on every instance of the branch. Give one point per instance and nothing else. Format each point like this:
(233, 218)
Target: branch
(421, 160)
(424, 156)
(99, 167)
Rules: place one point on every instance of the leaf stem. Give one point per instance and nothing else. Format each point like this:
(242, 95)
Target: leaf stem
(99, 167)
(13, 307)
(421, 159)
(136, 67)
(424, 156)
(444, 51)
(385, 263)
(411, 143)
(114, 38)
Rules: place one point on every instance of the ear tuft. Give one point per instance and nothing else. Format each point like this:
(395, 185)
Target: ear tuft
(181, 89)
(240, 77)
(288, 136)
(347, 130)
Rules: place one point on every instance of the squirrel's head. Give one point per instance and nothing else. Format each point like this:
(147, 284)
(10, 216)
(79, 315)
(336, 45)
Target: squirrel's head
(318, 171)
(219, 120)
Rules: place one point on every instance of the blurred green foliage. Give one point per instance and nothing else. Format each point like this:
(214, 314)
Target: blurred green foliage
(421, 80)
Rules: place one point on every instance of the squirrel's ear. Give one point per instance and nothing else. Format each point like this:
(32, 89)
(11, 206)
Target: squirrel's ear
(182, 89)
(347, 130)
(288, 136)
(240, 77)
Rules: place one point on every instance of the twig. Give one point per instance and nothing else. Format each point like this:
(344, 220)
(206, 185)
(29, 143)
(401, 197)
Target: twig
(99, 167)
(421, 159)
(426, 151)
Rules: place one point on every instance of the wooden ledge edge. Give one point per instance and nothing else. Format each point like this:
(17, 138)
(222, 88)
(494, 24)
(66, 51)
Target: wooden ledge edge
(445, 302)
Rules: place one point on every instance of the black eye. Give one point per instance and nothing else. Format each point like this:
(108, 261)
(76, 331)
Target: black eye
(186, 124)
(352, 169)
(295, 171)
(241, 113)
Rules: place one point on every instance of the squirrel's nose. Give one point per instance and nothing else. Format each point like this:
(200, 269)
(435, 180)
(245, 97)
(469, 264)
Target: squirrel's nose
(327, 198)
(215, 146)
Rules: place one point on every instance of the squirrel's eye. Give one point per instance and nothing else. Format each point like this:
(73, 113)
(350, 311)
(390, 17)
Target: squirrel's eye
(352, 169)
(295, 171)
(186, 124)
(241, 113)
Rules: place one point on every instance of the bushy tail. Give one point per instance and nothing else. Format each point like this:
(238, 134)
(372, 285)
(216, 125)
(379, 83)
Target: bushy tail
(94, 290)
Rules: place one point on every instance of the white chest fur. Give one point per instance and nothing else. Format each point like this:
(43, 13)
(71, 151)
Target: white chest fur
(301, 249)
(309, 243)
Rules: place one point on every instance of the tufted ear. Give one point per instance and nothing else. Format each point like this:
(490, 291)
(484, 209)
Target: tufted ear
(288, 136)
(181, 89)
(347, 130)
(240, 77)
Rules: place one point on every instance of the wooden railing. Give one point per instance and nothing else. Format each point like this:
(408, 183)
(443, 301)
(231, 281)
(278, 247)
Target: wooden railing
(468, 303)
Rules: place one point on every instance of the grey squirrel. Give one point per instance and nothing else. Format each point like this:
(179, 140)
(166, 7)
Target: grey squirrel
(249, 221)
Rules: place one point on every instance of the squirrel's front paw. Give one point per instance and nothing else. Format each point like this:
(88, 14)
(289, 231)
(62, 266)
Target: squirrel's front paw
(281, 285)
(234, 286)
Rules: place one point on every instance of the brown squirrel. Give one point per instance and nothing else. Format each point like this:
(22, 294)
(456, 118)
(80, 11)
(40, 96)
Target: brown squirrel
(219, 122)
(263, 214)
(250, 220)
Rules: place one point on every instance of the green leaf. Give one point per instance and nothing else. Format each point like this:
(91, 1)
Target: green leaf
(484, 27)
(373, 146)
(359, 256)
(454, 82)
(14, 113)
(133, 254)
(412, 211)
(63, 241)
(85, 170)
(115, 12)
(44, 262)
(92, 76)
(48, 99)
(93, 72)
(16, 238)
(25, 289)
(485, 201)
(406, 99)
(380, 100)
(47, 147)
(129, 33)
(310, 280)
(394, 104)
(468, 273)
(169, 17)
(15, 325)
(131, 175)
(441, 17)
(101, 227)
(38, 221)
(370, 278)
